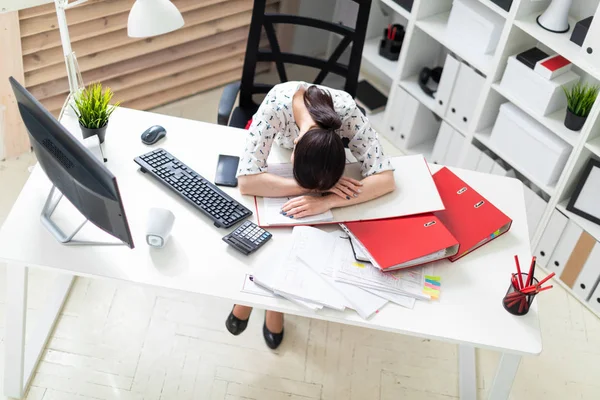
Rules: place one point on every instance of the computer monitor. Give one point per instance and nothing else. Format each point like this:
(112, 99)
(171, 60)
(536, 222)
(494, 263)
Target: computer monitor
(74, 171)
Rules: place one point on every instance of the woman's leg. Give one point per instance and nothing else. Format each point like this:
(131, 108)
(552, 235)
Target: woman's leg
(273, 329)
(242, 312)
(237, 321)
(274, 321)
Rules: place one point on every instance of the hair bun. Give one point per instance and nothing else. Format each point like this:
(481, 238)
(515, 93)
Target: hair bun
(320, 107)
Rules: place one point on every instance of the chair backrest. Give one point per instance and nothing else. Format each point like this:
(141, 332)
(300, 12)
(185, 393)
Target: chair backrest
(254, 54)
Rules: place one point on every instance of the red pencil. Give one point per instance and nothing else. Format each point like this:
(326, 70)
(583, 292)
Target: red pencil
(545, 279)
(519, 271)
(545, 288)
(530, 274)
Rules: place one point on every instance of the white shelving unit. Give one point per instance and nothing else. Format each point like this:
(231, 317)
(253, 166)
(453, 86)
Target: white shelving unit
(397, 8)
(425, 45)
(554, 121)
(371, 55)
(435, 26)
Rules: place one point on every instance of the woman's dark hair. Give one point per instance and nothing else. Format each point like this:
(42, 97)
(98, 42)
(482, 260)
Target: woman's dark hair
(319, 157)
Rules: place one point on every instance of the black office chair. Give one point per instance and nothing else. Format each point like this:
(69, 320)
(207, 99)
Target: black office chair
(248, 88)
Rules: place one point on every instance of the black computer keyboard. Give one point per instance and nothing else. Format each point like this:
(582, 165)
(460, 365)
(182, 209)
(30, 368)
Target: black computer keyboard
(190, 185)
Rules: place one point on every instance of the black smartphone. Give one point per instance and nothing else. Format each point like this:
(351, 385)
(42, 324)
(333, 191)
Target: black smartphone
(226, 171)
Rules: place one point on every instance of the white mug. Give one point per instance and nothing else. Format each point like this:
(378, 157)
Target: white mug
(160, 223)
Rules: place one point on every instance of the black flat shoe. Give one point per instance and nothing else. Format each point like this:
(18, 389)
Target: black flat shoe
(273, 340)
(234, 325)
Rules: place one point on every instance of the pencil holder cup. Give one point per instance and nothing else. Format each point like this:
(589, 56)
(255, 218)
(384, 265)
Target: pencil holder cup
(390, 48)
(515, 301)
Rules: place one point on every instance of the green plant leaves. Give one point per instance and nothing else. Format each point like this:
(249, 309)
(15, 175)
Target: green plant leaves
(92, 106)
(581, 98)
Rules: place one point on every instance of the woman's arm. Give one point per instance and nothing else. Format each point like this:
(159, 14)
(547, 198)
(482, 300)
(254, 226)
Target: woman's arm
(372, 187)
(269, 185)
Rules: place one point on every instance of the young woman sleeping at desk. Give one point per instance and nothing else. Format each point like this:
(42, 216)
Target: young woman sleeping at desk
(312, 121)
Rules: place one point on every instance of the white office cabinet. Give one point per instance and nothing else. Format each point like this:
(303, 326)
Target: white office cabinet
(485, 164)
(465, 96)
(475, 26)
(588, 277)
(498, 169)
(454, 149)
(550, 237)
(440, 148)
(535, 207)
(564, 248)
(594, 300)
(446, 85)
(541, 95)
(529, 145)
(413, 123)
(472, 158)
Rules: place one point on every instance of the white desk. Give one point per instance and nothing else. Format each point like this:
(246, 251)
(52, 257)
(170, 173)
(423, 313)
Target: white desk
(196, 260)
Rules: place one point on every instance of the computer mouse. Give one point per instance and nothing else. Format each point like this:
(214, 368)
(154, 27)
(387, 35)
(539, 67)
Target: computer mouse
(153, 134)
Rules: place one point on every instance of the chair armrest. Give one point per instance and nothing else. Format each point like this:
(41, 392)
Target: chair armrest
(226, 103)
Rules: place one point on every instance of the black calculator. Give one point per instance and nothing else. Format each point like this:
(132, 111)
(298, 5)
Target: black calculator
(248, 237)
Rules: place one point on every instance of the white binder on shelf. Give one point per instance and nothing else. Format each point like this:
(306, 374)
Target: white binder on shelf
(454, 149)
(446, 85)
(594, 301)
(397, 102)
(557, 224)
(472, 158)
(564, 248)
(535, 207)
(588, 277)
(465, 97)
(440, 148)
(590, 51)
(413, 123)
(485, 164)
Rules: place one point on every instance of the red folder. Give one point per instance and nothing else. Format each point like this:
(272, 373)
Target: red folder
(472, 219)
(398, 243)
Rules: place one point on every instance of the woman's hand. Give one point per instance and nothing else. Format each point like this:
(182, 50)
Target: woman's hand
(346, 188)
(305, 206)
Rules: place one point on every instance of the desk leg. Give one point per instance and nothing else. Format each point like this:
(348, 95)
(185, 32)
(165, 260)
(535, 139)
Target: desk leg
(467, 373)
(20, 362)
(505, 375)
(14, 340)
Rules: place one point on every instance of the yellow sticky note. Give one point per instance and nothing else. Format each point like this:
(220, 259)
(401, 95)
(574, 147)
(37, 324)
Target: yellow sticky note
(359, 265)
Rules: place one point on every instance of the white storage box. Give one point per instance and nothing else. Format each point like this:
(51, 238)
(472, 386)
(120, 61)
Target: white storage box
(541, 95)
(528, 145)
(411, 123)
(475, 26)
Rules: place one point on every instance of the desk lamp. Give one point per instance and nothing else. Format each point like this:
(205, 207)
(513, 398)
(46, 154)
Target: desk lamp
(146, 18)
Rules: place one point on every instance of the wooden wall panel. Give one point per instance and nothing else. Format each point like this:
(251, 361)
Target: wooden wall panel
(144, 73)
(13, 134)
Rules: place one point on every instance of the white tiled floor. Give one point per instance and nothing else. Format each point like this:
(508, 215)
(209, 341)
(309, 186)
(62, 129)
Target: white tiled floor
(118, 341)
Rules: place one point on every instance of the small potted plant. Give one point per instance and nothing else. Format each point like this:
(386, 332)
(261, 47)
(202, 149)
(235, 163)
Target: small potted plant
(93, 110)
(580, 99)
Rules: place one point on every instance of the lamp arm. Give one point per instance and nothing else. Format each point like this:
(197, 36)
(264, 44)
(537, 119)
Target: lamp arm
(73, 73)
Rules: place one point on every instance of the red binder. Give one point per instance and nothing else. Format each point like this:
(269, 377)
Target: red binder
(399, 243)
(472, 219)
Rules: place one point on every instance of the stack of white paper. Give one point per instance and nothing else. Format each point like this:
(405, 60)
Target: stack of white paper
(318, 270)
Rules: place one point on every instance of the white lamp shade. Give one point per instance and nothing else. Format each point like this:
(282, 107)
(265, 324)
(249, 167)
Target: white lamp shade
(556, 17)
(152, 18)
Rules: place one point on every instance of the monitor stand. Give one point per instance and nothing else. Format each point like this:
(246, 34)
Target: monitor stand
(67, 239)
